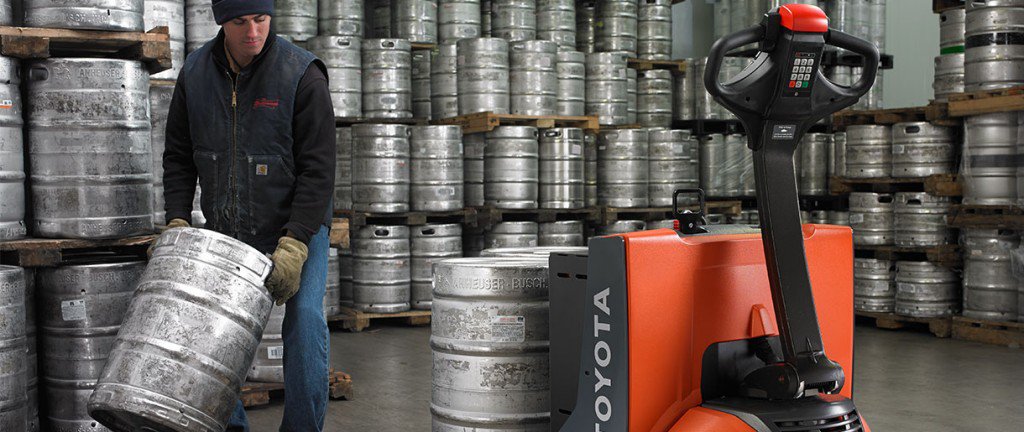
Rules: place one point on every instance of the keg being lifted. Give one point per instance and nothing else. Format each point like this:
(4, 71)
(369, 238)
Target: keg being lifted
(490, 345)
(84, 109)
(268, 366)
(197, 282)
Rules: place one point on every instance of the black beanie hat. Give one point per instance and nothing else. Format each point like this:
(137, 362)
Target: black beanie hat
(227, 10)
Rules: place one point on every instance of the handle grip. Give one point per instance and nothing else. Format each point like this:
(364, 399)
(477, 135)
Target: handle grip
(717, 55)
(860, 46)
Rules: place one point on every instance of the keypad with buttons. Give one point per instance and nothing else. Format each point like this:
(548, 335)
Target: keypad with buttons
(801, 74)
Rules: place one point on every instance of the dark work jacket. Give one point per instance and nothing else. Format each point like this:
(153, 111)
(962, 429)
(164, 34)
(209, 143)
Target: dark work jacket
(240, 130)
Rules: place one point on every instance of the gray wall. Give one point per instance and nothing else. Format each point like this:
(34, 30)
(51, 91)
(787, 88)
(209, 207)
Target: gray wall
(911, 36)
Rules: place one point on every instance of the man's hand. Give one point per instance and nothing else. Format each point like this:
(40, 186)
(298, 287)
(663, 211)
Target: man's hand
(288, 259)
(174, 223)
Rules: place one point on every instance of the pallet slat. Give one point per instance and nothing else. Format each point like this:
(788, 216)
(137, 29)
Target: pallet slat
(940, 327)
(986, 102)
(938, 185)
(259, 393)
(988, 217)
(936, 113)
(356, 321)
(676, 66)
(152, 47)
(52, 252)
(487, 121)
(990, 332)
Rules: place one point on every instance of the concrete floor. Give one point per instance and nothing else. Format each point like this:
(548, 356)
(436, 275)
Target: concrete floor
(906, 381)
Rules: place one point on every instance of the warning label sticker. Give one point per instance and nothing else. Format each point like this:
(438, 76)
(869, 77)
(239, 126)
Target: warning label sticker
(508, 329)
(72, 310)
(275, 352)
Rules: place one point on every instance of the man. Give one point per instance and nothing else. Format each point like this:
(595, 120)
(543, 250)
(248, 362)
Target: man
(251, 117)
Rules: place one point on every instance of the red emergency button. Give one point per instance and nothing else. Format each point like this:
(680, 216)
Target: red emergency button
(792, 84)
(803, 18)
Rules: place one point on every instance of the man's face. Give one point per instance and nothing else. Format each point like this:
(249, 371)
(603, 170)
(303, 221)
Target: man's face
(244, 36)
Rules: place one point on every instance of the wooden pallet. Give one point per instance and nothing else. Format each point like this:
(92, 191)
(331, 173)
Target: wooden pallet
(944, 255)
(53, 252)
(612, 214)
(349, 121)
(487, 121)
(340, 233)
(990, 332)
(467, 216)
(986, 101)
(937, 185)
(940, 327)
(257, 393)
(356, 321)
(487, 216)
(934, 113)
(152, 48)
(416, 46)
(938, 6)
(676, 66)
(986, 216)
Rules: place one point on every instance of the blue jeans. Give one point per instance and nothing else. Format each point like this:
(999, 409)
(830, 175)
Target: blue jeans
(306, 349)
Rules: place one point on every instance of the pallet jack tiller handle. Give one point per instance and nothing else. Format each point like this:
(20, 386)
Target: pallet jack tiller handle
(777, 98)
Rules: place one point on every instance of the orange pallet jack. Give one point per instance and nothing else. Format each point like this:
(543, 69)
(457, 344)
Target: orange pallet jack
(723, 329)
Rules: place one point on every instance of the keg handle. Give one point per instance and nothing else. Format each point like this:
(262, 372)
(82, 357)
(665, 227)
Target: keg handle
(777, 98)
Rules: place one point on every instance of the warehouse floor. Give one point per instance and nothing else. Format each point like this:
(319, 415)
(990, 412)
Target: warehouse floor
(906, 381)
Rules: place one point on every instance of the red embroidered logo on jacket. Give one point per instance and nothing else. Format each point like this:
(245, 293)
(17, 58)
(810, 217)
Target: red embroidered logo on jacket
(265, 103)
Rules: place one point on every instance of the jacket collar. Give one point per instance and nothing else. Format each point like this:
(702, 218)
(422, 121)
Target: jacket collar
(221, 59)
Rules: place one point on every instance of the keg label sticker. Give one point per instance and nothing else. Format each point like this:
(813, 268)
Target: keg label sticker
(6, 104)
(72, 310)
(508, 329)
(275, 352)
(576, 149)
(856, 218)
(782, 132)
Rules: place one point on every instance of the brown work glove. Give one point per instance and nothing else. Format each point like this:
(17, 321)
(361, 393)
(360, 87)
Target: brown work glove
(288, 259)
(174, 223)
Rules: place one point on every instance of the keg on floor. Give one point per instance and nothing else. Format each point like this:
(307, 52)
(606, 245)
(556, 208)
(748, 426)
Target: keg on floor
(561, 169)
(343, 57)
(197, 282)
(920, 149)
(622, 168)
(381, 273)
(458, 19)
(949, 76)
(295, 20)
(113, 15)
(511, 167)
(920, 220)
(586, 26)
(414, 20)
(590, 168)
(340, 18)
(926, 290)
(617, 27)
(989, 169)
(444, 88)
(533, 77)
(483, 75)
(13, 360)
(81, 308)
(268, 366)
(654, 99)
(572, 84)
(170, 14)
(621, 227)
(96, 110)
(989, 286)
(874, 285)
(561, 233)
(332, 293)
(556, 22)
(871, 217)
(345, 269)
(380, 168)
(436, 168)
(387, 78)
(868, 151)
(343, 169)
(429, 244)
(606, 93)
(989, 60)
(473, 146)
(421, 103)
(712, 165)
(814, 164)
(654, 30)
(669, 167)
(12, 157)
(512, 234)
(490, 344)
(514, 20)
(200, 25)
